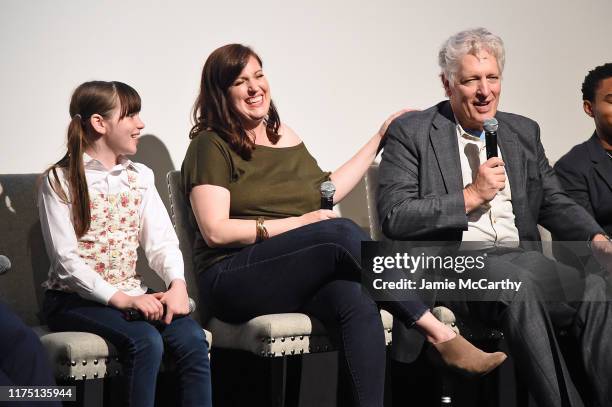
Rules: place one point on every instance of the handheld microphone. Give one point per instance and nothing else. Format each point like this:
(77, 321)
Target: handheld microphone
(135, 315)
(5, 264)
(490, 128)
(327, 195)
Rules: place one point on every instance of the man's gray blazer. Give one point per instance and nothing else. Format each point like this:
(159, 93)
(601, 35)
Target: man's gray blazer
(420, 193)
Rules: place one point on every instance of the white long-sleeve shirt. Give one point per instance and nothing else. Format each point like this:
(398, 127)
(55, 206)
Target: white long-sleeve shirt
(156, 234)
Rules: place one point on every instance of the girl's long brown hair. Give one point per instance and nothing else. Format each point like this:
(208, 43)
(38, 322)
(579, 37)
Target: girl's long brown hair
(212, 109)
(95, 97)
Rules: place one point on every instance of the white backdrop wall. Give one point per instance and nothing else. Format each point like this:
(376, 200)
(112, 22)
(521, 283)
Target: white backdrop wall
(336, 68)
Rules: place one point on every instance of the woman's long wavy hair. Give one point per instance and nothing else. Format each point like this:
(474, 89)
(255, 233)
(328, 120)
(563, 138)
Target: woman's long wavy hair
(95, 97)
(213, 111)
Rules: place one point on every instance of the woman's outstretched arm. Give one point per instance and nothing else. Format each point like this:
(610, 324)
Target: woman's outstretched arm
(350, 173)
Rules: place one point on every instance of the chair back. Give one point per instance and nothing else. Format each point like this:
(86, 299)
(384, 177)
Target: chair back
(371, 183)
(22, 242)
(181, 213)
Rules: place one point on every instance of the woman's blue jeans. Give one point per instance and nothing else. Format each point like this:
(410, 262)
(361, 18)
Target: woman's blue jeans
(314, 269)
(141, 346)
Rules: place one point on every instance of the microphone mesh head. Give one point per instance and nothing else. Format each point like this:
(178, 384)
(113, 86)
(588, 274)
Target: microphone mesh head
(192, 305)
(490, 124)
(328, 189)
(5, 264)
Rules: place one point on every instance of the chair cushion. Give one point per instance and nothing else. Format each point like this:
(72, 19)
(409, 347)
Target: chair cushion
(277, 335)
(82, 355)
(79, 355)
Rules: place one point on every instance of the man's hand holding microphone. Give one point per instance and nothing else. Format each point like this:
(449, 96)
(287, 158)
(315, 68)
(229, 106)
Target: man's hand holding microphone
(491, 176)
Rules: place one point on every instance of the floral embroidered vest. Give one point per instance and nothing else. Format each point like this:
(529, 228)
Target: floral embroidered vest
(109, 246)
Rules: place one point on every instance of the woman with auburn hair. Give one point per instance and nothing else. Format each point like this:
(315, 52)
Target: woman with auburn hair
(264, 246)
(96, 207)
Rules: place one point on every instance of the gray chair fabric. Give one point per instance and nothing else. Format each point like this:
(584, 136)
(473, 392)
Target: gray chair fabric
(371, 182)
(21, 241)
(271, 335)
(180, 214)
(74, 355)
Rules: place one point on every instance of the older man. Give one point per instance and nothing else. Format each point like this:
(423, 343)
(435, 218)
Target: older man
(436, 183)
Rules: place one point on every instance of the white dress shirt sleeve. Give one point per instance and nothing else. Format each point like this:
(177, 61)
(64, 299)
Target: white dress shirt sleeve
(62, 247)
(157, 236)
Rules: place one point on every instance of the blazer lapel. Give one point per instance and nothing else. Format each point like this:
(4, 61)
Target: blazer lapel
(602, 163)
(443, 136)
(507, 142)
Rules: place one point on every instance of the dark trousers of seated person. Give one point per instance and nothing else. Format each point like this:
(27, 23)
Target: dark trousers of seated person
(141, 346)
(529, 320)
(314, 269)
(23, 359)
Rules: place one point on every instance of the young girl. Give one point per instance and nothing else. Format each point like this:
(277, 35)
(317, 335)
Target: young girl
(96, 207)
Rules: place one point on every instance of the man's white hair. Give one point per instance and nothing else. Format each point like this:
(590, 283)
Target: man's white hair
(473, 42)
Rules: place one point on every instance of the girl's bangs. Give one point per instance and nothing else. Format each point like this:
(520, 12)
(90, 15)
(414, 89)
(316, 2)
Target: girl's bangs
(129, 99)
